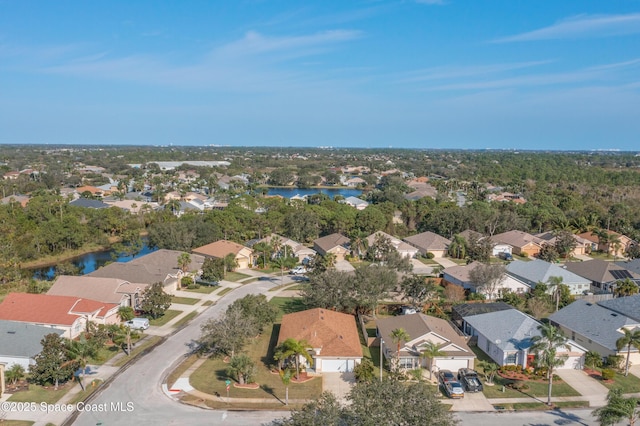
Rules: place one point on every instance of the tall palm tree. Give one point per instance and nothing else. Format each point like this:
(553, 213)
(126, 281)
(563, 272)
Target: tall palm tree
(630, 338)
(184, 260)
(431, 351)
(553, 284)
(545, 347)
(618, 408)
(293, 349)
(285, 376)
(264, 249)
(399, 335)
(625, 287)
(126, 313)
(79, 351)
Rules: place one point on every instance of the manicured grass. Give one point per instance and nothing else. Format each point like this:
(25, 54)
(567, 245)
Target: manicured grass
(104, 354)
(529, 406)
(210, 377)
(90, 386)
(224, 291)
(203, 289)
(37, 393)
(235, 276)
(287, 305)
(175, 374)
(138, 349)
(169, 314)
(219, 405)
(426, 261)
(208, 303)
(297, 287)
(18, 423)
(184, 300)
(629, 384)
(185, 319)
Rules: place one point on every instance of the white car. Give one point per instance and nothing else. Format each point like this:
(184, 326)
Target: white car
(298, 270)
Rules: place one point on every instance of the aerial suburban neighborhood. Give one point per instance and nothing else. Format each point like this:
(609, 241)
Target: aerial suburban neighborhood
(224, 296)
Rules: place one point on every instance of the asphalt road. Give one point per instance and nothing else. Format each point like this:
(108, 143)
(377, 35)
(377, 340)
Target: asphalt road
(529, 418)
(138, 389)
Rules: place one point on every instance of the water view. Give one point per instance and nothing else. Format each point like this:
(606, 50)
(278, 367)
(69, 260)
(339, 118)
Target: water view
(89, 262)
(331, 192)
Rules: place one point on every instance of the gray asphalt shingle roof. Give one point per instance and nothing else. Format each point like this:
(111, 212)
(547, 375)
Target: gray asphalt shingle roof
(628, 306)
(592, 321)
(19, 339)
(540, 271)
(510, 329)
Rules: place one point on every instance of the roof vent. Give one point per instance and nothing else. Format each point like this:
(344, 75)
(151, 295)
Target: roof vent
(589, 304)
(13, 332)
(614, 315)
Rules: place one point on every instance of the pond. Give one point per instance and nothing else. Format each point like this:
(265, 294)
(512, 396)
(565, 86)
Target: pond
(89, 262)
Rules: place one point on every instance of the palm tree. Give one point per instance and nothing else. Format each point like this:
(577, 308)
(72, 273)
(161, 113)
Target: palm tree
(593, 359)
(618, 408)
(293, 349)
(184, 260)
(399, 335)
(431, 351)
(553, 284)
(630, 338)
(625, 287)
(173, 205)
(126, 313)
(616, 244)
(490, 369)
(285, 376)
(80, 351)
(264, 248)
(545, 347)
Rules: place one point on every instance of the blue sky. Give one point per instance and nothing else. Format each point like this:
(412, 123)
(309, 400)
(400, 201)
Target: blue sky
(529, 74)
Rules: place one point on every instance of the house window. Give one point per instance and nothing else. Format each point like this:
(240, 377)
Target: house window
(511, 358)
(406, 362)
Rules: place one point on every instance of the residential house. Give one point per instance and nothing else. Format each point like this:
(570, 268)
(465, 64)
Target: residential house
(94, 191)
(429, 242)
(89, 203)
(632, 265)
(23, 200)
(607, 246)
(497, 248)
(420, 189)
(67, 313)
(540, 271)
(336, 243)
(403, 249)
(460, 275)
(19, 344)
(423, 329)
(458, 312)
(597, 326)
(583, 246)
(355, 182)
(506, 337)
(295, 248)
(356, 203)
(158, 266)
(523, 244)
(332, 336)
(133, 206)
(222, 248)
(602, 274)
(106, 290)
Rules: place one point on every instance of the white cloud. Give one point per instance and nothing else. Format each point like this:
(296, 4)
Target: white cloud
(582, 26)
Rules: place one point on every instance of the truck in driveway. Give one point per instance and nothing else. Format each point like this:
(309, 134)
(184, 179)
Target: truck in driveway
(470, 380)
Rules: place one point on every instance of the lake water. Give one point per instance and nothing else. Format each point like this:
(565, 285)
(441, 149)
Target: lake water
(331, 192)
(90, 262)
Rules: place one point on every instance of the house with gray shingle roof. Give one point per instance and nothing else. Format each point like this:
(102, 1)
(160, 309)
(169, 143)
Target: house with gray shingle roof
(596, 327)
(403, 249)
(356, 203)
(601, 273)
(429, 242)
(336, 243)
(506, 336)
(540, 271)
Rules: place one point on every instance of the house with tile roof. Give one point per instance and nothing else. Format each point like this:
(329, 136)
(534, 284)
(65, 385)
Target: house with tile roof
(157, 266)
(606, 246)
(333, 338)
(523, 243)
(107, 290)
(422, 329)
(89, 203)
(506, 337)
(67, 313)
(540, 271)
(299, 250)
(403, 249)
(336, 243)
(222, 248)
(597, 326)
(583, 246)
(602, 274)
(429, 242)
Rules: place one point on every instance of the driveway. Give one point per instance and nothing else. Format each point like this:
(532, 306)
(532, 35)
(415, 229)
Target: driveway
(472, 401)
(420, 268)
(446, 263)
(344, 266)
(582, 257)
(587, 386)
(338, 383)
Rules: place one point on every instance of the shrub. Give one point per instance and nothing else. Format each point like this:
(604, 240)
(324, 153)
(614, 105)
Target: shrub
(193, 286)
(614, 361)
(608, 374)
(524, 254)
(429, 255)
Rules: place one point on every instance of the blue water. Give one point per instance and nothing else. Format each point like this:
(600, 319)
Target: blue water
(331, 192)
(90, 262)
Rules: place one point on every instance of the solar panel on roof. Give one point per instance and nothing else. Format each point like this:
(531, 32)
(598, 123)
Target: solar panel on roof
(620, 274)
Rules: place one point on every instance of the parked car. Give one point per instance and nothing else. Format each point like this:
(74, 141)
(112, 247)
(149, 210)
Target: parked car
(453, 389)
(446, 376)
(469, 380)
(298, 270)
(138, 324)
(505, 256)
(408, 310)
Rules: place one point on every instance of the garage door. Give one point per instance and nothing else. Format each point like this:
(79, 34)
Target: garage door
(337, 365)
(451, 364)
(573, 362)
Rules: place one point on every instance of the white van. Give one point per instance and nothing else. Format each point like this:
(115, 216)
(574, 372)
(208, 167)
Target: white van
(138, 324)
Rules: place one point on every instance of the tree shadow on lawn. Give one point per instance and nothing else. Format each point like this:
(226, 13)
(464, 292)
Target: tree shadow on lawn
(293, 305)
(271, 391)
(267, 360)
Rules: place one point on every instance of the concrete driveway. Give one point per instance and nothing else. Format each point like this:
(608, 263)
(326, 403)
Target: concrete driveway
(446, 263)
(344, 266)
(338, 383)
(587, 386)
(420, 268)
(472, 401)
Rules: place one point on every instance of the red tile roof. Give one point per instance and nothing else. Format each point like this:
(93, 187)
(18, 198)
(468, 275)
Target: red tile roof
(47, 309)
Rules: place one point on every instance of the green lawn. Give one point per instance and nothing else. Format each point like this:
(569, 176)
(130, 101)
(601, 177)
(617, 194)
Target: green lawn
(169, 314)
(185, 319)
(203, 289)
(224, 291)
(184, 366)
(208, 303)
(37, 393)
(184, 300)
(90, 386)
(16, 423)
(629, 384)
(235, 276)
(138, 349)
(528, 406)
(287, 305)
(211, 375)
(104, 354)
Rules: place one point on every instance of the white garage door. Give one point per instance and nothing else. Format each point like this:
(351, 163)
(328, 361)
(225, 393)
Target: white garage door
(451, 364)
(573, 362)
(337, 365)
